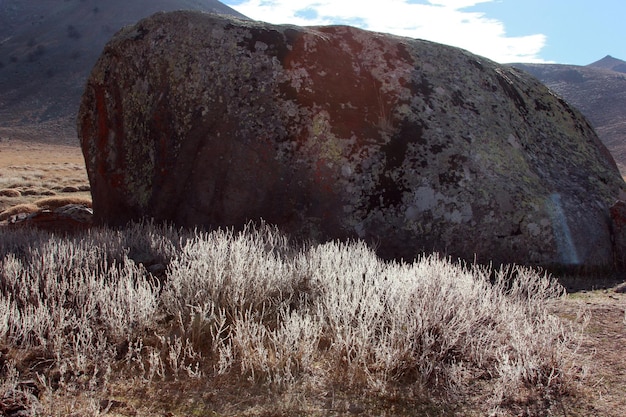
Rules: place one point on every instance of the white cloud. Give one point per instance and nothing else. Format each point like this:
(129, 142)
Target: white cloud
(443, 21)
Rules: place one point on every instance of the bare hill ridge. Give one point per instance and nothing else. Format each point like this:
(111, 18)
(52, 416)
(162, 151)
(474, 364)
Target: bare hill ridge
(610, 63)
(47, 49)
(598, 90)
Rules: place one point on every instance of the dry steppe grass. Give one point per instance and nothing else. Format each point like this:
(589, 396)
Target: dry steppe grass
(31, 171)
(604, 344)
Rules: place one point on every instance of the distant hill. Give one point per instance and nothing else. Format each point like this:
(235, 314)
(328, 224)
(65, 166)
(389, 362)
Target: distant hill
(598, 90)
(47, 50)
(610, 63)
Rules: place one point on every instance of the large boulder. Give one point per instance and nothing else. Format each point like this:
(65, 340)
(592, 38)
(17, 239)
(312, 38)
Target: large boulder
(336, 132)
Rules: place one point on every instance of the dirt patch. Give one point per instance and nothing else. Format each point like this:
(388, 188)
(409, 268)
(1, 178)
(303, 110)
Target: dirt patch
(604, 344)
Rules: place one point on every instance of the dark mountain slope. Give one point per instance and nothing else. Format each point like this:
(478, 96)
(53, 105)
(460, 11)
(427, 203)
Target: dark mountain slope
(598, 90)
(47, 49)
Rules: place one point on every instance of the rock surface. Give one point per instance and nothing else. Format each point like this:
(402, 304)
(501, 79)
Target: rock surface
(335, 132)
(618, 217)
(64, 219)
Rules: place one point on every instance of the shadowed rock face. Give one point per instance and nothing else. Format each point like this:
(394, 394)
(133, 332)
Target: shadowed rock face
(334, 132)
(618, 217)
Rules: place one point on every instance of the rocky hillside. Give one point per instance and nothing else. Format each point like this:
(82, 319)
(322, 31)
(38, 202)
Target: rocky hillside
(47, 49)
(598, 90)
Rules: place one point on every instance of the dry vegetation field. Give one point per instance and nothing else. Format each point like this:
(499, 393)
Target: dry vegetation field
(31, 173)
(155, 321)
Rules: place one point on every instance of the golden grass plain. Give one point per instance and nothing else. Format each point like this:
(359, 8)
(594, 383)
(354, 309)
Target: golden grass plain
(33, 174)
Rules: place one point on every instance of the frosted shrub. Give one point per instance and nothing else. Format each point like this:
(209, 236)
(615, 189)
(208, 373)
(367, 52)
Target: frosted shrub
(251, 305)
(431, 321)
(226, 270)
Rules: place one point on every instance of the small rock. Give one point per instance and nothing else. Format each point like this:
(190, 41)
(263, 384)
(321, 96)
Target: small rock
(77, 212)
(621, 288)
(68, 218)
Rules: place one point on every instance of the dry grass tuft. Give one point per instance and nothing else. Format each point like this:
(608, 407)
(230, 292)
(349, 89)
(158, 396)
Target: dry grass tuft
(10, 192)
(19, 209)
(52, 203)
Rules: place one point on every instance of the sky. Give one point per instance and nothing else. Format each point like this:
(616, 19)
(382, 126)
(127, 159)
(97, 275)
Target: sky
(576, 32)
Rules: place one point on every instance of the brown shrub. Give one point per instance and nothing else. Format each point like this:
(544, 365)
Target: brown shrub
(70, 189)
(31, 191)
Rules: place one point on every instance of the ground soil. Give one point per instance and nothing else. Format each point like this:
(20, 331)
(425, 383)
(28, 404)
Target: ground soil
(601, 392)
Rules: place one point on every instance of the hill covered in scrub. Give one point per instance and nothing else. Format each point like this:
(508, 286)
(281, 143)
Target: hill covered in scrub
(598, 90)
(47, 49)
